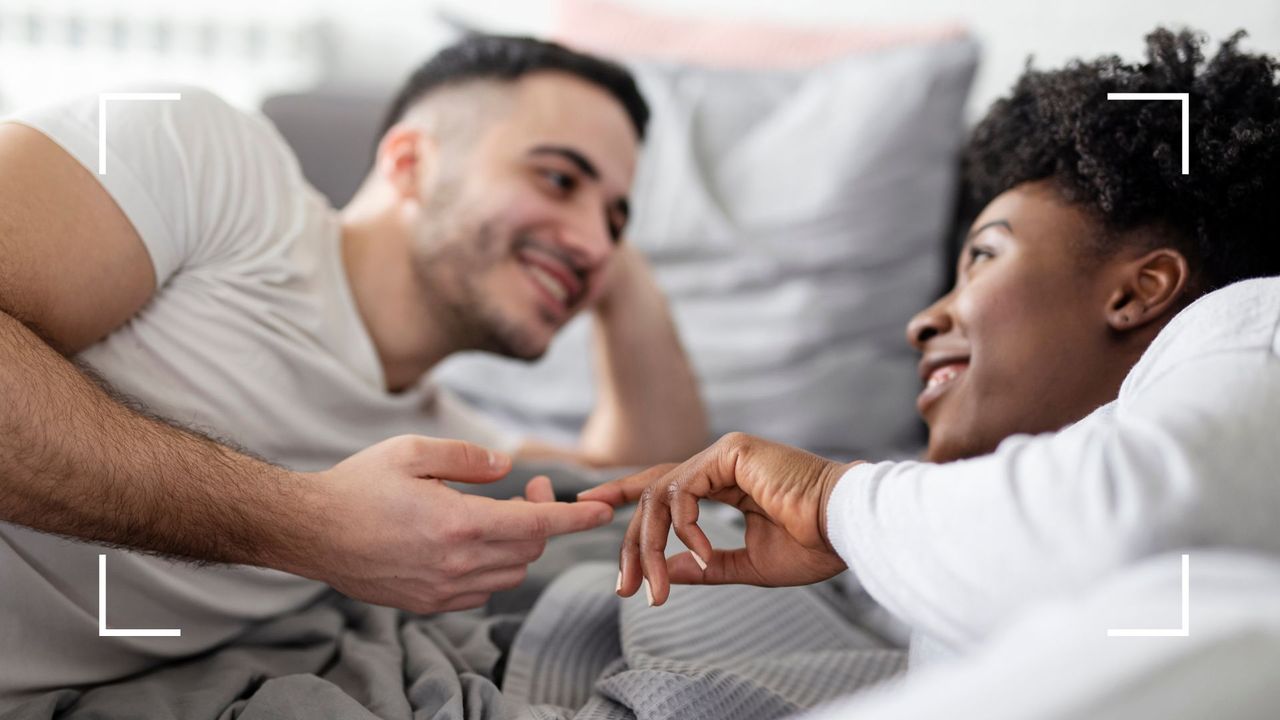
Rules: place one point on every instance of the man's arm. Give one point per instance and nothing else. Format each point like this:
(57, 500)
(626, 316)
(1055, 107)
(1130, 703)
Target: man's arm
(75, 462)
(380, 526)
(648, 409)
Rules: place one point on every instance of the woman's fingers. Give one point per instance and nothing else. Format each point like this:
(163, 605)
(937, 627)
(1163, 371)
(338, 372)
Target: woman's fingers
(724, 567)
(630, 574)
(654, 517)
(684, 519)
(642, 561)
(627, 489)
(668, 494)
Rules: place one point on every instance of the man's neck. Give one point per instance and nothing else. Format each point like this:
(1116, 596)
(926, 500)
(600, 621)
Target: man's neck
(377, 257)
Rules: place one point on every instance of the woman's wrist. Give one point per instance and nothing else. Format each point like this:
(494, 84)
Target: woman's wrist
(831, 476)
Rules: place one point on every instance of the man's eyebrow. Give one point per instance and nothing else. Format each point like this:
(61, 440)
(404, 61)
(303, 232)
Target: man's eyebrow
(572, 156)
(994, 223)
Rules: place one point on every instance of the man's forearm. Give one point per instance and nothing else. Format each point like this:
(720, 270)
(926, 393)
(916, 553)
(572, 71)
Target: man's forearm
(76, 462)
(648, 408)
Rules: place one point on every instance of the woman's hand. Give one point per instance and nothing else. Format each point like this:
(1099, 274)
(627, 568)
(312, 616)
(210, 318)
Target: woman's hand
(781, 490)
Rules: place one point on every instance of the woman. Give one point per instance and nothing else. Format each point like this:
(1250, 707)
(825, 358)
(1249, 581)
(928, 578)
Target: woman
(1089, 242)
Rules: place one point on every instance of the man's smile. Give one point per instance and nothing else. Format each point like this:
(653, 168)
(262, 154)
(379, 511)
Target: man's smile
(559, 284)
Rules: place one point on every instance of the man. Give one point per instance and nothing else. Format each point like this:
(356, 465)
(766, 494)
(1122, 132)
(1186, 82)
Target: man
(203, 278)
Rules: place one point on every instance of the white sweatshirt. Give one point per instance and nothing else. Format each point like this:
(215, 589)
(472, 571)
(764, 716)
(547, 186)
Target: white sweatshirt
(1187, 456)
(1058, 662)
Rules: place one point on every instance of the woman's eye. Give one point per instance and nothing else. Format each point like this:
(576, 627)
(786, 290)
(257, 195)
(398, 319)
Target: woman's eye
(978, 253)
(562, 182)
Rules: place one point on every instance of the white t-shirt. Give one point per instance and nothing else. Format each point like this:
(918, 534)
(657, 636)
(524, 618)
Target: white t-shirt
(252, 335)
(1188, 456)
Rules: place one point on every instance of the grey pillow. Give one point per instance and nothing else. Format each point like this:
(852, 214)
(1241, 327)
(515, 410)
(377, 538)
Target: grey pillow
(796, 221)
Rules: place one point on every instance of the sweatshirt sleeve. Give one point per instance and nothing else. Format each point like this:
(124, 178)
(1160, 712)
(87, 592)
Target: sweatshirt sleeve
(1187, 459)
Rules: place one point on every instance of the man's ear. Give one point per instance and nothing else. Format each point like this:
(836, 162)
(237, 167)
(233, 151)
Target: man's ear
(1151, 286)
(406, 159)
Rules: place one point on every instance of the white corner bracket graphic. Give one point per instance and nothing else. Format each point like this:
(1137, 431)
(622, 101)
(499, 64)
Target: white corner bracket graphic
(1183, 631)
(1186, 118)
(102, 117)
(103, 631)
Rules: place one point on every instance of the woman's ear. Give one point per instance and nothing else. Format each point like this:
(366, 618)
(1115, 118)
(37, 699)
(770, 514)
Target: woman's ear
(1151, 286)
(406, 158)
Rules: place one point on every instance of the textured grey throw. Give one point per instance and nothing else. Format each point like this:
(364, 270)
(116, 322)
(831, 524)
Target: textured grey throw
(711, 652)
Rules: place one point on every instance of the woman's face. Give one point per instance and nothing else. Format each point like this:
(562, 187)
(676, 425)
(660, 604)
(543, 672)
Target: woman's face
(1021, 344)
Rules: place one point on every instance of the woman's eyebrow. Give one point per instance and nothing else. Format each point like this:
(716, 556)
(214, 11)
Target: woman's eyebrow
(994, 223)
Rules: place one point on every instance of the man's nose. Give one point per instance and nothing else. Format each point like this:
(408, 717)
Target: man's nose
(589, 242)
(933, 320)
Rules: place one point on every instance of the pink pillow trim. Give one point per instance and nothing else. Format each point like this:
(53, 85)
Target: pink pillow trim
(614, 29)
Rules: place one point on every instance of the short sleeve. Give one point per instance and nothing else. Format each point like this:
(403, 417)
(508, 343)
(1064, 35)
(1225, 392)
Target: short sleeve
(199, 179)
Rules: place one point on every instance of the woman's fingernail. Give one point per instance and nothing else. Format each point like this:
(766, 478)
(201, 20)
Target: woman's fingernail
(648, 591)
(698, 559)
(618, 588)
(493, 460)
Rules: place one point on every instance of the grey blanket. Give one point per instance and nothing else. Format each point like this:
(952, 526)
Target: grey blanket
(579, 652)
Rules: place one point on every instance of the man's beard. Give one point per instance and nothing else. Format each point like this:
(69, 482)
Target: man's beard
(450, 269)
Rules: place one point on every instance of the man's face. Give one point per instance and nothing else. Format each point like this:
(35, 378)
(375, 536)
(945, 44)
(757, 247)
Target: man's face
(515, 240)
(1021, 343)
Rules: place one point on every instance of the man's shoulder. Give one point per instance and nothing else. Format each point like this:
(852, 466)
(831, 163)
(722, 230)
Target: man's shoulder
(198, 104)
(201, 115)
(151, 123)
(192, 103)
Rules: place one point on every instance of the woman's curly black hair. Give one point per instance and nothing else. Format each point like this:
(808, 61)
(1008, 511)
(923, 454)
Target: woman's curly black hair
(1121, 161)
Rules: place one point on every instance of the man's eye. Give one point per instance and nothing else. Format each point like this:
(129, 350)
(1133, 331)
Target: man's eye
(615, 229)
(563, 182)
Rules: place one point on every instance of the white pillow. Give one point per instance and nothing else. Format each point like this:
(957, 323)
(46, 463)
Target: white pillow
(796, 220)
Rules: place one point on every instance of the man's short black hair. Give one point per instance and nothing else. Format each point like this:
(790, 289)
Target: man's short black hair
(1122, 160)
(502, 57)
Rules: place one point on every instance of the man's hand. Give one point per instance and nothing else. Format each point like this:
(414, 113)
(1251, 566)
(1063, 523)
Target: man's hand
(781, 490)
(393, 533)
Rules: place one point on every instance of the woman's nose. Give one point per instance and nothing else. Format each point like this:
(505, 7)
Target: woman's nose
(933, 320)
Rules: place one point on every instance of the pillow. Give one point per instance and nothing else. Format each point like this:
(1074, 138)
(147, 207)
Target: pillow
(796, 221)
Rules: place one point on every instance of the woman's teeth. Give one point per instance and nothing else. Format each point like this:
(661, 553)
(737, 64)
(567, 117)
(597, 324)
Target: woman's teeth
(552, 285)
(943, 375)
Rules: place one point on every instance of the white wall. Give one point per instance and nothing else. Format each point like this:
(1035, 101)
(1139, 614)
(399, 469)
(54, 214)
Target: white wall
(1009, 30)
(378, 41)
